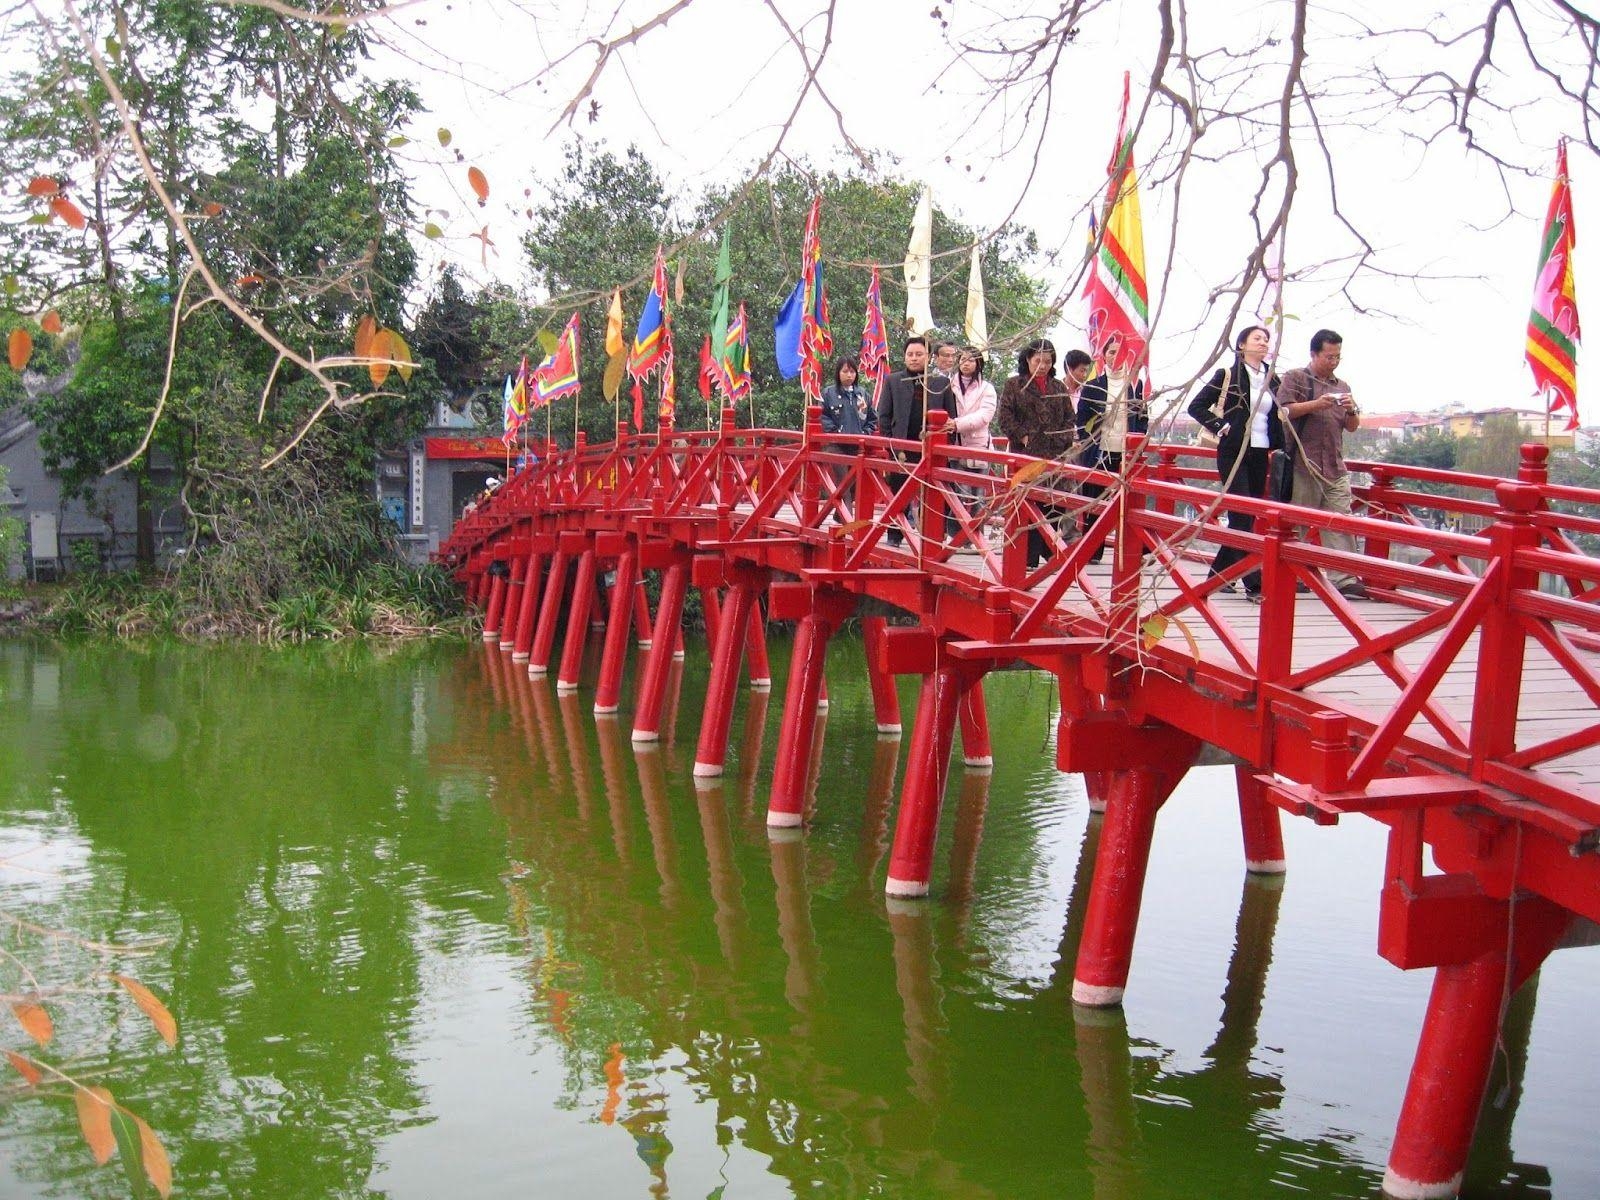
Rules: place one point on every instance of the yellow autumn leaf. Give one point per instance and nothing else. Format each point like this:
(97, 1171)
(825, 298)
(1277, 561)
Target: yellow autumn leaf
(547, 341)
(24, 1067)
(152, 1008)
(1026, 475)
(157, 1166)
(34, 1021)
(432, 231)
(94, 1118)
(401, 353)
(366, 328)
(444, 137)
(1153, 629)
(20, 348)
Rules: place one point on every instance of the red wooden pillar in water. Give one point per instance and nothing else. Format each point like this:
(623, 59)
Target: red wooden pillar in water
(497, 604)
(1134, 795)
(577, 624)
(756, 650)
(1259, 821)
(885, 696)
(820, 613)
(732, 634)
(663, 640)
(641, 614)
(522, 636)
(618, 625)
(544, 636)
(927, 770)
(1094, 787)
(975, 748)
(513, 602)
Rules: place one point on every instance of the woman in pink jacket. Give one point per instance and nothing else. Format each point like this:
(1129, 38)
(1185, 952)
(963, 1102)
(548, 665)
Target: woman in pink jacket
(975, 405)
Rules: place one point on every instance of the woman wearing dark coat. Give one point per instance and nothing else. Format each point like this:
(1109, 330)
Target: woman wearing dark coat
(1239, 405)
(1035, 414)
(1121, 394)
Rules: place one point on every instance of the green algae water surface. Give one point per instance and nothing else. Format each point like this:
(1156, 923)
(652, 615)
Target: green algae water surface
(431, 930)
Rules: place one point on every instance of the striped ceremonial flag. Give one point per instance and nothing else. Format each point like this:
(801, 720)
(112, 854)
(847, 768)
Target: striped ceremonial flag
(652, 347)
(1553, 332)
(816, 340)
(736, 356)
(557, 376)
(875, 340)
(1118, 296)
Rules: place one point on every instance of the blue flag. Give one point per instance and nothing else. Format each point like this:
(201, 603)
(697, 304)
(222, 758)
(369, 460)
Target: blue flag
(786, 331)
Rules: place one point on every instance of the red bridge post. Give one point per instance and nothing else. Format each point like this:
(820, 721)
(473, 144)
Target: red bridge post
(975, 748)
(885, 696)
(663, 645)
(756, 649)
(522, 636)
(618, 622)
(577, 623)
(513, 602)
(1142, 764)
(544, 636)
(497, 603)
(732, 634)
(927, 769)
(820, 612)
(1260, 821)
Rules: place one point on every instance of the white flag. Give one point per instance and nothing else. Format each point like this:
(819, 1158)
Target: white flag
(977, 315)
(919, 267)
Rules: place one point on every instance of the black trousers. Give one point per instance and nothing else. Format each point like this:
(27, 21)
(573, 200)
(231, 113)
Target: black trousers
(1250, 479)
(1110, 462)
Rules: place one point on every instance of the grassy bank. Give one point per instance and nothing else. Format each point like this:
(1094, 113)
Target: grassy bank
(385, 600)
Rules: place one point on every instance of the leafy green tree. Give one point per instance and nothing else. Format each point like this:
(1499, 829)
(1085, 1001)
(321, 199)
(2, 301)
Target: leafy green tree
(610, 212)
(1496, 450)
(277, 155)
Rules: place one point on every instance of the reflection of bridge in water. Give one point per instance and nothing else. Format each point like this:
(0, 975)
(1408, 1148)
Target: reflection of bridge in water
(1457, 706)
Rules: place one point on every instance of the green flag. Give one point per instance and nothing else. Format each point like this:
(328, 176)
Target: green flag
(720, 316)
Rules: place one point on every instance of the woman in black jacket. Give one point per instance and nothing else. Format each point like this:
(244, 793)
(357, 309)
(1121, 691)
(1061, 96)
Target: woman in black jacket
(1238, 404)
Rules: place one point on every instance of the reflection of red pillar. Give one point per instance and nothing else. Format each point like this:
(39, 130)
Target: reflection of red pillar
(544, 636)
(1135, 796)
(712, 751)
(513, 602)
(1105, 1072)
(609, 688)
(787, 803)
(927, 769)
(653, 683)
(1447, 1080)
(795, 930)
(760, 668)
(497, 603)
(970, 810)
(1258, 818)
(522, 636)
(577, 624)
(885, 696)
(975, 749)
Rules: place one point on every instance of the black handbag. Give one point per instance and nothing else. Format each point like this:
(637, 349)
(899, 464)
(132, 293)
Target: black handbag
(1280, 476)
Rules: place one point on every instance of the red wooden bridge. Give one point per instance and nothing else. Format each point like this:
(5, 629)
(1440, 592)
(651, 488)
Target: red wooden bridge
(1459, 705)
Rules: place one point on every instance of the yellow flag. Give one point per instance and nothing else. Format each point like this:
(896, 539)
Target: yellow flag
(614, 343)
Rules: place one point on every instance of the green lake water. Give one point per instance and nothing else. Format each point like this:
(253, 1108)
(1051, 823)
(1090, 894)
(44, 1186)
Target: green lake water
(430, 930)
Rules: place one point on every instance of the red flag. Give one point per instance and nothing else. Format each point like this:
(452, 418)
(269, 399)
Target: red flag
(1553, 331)
(875, 340)
(708, 369)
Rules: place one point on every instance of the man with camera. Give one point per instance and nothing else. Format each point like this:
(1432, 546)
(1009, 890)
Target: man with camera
(1319, 410)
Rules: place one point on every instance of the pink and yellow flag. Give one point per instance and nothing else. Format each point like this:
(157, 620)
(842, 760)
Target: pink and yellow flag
(1553, 331)
(1118, 296)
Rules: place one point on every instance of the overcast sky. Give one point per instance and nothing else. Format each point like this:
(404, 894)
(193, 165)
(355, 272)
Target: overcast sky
(706, 95)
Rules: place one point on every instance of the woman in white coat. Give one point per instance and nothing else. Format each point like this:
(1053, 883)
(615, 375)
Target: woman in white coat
(975, 406)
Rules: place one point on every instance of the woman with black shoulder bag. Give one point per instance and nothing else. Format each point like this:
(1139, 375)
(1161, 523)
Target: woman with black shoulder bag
(1239, 405)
